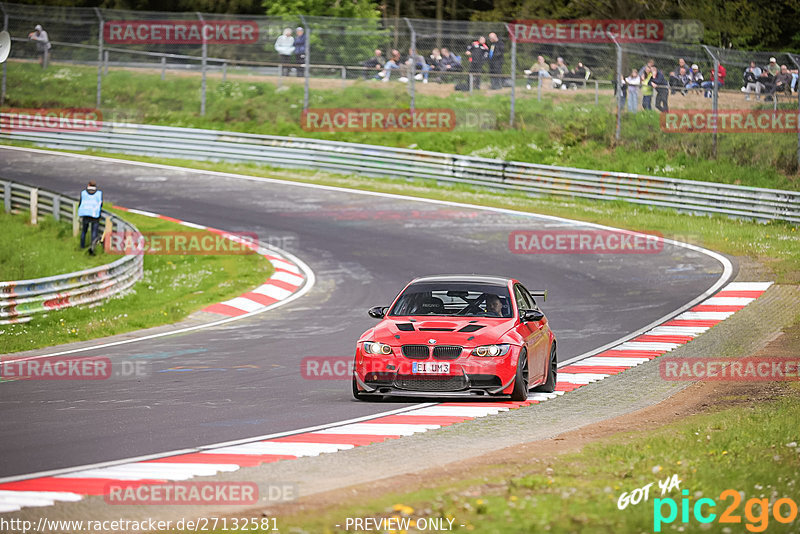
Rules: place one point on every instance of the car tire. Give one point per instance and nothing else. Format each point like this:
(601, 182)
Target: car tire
(520, 392)
(356, 393)
(549, 384)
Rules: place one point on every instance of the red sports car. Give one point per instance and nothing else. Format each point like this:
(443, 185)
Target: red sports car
(457, 336)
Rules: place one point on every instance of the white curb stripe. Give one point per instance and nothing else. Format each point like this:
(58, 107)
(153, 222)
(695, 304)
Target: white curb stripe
(278, 293)
(704, 316)
(291, 449)
(191, 225)
(728, 301)
(378, 429)
(462, 411)
(611, 361)
(648, 345)
(289, 278)
(693, 331)
(285, 265)
(243, 303)
(580, 378)
(747, 286)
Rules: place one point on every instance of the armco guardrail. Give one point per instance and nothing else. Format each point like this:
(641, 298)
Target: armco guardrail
(20, 300)
(306, 153)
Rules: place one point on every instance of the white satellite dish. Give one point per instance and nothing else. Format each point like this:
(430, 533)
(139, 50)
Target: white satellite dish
(5, 45)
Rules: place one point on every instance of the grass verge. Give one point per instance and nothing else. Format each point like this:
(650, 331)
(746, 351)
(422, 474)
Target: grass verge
(566, 128)
(171, 289)
(46, 249)
(749, 448)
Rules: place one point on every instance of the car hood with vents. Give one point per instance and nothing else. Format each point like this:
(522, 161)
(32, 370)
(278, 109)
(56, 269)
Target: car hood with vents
(469, 331)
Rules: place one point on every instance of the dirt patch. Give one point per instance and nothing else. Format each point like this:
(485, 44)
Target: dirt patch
(701, 397)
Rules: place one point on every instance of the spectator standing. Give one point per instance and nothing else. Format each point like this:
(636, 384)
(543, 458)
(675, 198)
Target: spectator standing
(43, 45)
(300, 49)
(719, 76)
(478, 53)
(647, 89)
(284, 45)
(633, 83)
(751, 83)
(650, 63)
(89, 211)
(496, 52)
(375, 63)
(661, 87)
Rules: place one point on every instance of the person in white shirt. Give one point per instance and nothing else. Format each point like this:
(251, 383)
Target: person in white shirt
(42, 44)
(633, 82)
(284, 45)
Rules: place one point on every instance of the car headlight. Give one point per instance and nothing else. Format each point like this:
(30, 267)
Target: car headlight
(373, 347)
(491, 350)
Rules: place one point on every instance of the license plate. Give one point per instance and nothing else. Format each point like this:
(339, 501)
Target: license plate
(430, 368)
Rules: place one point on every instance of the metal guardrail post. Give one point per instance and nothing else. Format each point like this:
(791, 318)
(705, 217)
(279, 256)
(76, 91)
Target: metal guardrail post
(513, 78)
(163, 68)
(7, 197)
(100, 43)
(75, 220)
(203, 65)
(34, 203)
(57, 207)
(224, 71)
(306, 64)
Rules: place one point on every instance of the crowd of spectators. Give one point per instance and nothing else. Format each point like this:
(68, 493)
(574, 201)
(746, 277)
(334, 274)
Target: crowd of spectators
(769, 80)
(559, 74)
(481, 56)
(648, 86)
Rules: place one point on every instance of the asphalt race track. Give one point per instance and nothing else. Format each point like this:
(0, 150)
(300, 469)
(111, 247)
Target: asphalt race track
(243, 379)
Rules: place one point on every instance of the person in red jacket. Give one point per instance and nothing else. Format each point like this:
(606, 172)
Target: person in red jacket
(709, 85)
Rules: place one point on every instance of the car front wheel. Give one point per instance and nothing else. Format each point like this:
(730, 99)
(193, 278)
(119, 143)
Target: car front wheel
(549, 384)
(520, 392)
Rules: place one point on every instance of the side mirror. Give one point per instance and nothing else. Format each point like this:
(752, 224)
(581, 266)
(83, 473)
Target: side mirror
(532, 315)
(378, 312)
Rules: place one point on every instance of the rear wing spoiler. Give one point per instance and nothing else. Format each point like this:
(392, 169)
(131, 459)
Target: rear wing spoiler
(539, 293)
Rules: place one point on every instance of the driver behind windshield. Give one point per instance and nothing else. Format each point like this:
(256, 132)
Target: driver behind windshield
(494, 307)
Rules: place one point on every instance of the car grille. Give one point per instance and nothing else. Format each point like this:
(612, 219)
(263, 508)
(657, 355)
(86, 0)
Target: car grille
(416, 352)
(438, 383)
(447, 352)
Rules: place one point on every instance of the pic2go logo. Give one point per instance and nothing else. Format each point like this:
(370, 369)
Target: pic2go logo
(756, 511)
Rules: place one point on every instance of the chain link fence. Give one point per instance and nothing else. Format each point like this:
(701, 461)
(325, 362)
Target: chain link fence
(476, 75)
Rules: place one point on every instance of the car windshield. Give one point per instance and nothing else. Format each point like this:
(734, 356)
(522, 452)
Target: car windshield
(454, 299)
